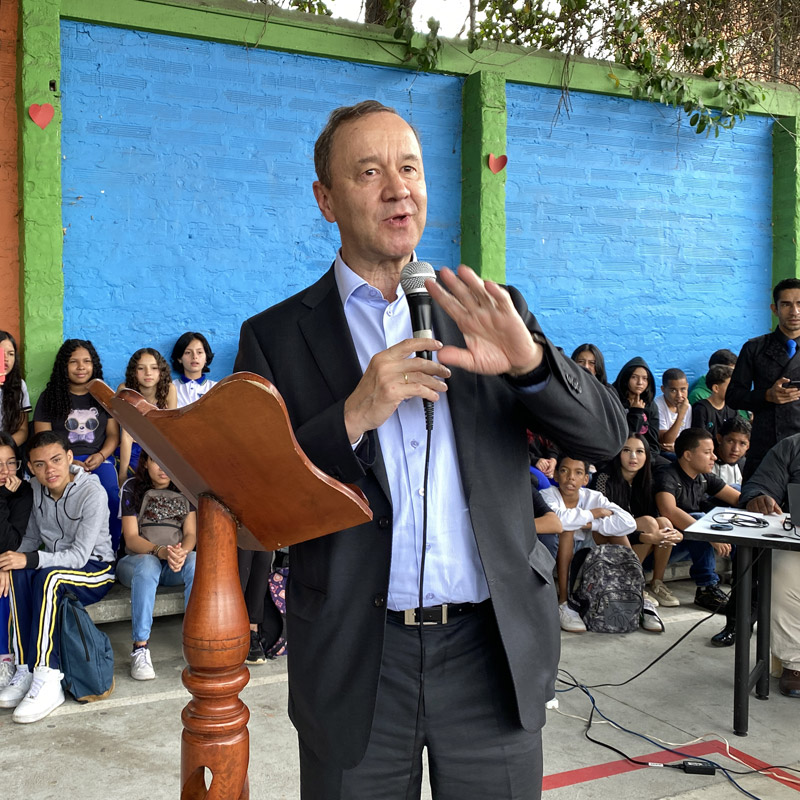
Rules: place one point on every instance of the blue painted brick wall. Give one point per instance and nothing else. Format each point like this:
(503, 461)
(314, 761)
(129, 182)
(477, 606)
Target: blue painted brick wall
(187, 172)
(187, 200)
(628, 230)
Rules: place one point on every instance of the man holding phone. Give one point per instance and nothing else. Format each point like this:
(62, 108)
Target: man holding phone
(766, 378)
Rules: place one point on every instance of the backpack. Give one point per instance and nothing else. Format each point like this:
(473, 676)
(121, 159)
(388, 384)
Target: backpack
(86, 658)
(161, 516)
(605, 588)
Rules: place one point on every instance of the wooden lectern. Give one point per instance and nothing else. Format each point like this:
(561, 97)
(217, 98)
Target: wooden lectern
(234, 455)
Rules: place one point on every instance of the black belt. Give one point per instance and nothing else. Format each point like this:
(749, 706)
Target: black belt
(435, 615)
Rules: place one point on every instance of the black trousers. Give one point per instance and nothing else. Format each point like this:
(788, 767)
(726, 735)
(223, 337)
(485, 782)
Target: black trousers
(255, 567)
(462, 711)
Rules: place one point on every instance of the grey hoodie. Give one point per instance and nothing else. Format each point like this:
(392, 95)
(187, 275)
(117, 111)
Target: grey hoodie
(73, 529)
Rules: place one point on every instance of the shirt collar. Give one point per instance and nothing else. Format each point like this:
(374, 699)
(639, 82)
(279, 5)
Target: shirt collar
(199, 381)
(348, 282)
(781, 336)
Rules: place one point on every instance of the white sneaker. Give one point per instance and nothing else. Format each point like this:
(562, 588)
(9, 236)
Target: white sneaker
(649, 619)
(649, 598)
(44, 696)
(17, 687)
(570, 619)
(665, 597)
(7, 670)
(141, 665)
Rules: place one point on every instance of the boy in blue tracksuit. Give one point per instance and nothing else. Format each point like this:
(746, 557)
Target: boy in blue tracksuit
(66, 546)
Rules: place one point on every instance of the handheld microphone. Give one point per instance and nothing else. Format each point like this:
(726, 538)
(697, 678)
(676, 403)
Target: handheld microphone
(412, 279)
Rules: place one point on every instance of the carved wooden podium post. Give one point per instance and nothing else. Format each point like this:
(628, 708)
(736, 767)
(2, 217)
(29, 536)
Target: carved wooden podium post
(216, 638)
(234, 455)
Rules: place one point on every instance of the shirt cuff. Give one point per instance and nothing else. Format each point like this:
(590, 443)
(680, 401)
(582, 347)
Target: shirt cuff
(32, 560)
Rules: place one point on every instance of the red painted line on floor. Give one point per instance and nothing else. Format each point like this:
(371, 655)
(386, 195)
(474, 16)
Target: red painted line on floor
(755, 763)
(571, 777)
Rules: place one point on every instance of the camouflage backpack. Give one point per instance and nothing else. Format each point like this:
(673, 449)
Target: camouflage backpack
(605, 588)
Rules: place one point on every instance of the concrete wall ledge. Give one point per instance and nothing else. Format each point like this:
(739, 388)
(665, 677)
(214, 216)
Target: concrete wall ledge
(116, 605)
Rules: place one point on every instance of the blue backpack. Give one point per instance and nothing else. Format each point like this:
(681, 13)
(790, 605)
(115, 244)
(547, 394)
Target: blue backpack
(86, 658)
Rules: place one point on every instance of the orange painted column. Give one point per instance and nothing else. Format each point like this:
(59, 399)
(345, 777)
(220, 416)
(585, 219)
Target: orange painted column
(9, 177)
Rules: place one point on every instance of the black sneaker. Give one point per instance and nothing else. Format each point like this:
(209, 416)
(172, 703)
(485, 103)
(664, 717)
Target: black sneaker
(256, 654)
(712, 598)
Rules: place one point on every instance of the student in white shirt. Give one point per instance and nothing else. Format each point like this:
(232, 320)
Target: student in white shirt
(191, 359)
(674, 409)
(582, 511)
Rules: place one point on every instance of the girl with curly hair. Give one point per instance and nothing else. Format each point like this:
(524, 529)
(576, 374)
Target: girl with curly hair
(147, 373)
(15, 404)
(65, 406)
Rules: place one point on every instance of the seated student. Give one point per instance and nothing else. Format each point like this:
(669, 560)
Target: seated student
(148, 374)
(581, 511)
(628, 482)
(66, 407)
(673, 408)
(69, 521)
(15, 404)
(732, 444)
(160, 530)
(543, 456)
(548, 525)
(700, 390)
(591, 359)
(635, 387)
(766, 492)
(266, 623)
(191, 360)
(681, 490)
(16, 499)
(711, 412)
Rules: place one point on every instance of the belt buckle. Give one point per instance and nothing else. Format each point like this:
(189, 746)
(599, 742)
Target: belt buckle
(410, 616)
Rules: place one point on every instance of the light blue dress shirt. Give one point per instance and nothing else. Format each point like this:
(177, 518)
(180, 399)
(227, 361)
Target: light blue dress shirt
(453, 569)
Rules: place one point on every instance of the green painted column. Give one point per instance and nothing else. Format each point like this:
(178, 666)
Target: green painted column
(42, 279)
(483, 193)
(785, 199)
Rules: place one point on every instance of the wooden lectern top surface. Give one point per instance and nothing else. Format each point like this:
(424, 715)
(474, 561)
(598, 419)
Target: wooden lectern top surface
(236, 444)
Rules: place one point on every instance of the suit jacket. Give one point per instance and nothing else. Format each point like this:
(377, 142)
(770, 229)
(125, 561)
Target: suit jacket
(336, 603)
(761, 362)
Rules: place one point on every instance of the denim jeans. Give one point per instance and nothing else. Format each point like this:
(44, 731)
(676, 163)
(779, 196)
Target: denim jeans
(704, 561)
(144, 574)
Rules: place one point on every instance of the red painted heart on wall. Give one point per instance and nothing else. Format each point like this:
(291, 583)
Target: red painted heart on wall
(497, 163)
(42, 115)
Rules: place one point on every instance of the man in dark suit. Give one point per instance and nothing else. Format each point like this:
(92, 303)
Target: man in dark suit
(370, 686)
(766, 381)
(766, 378)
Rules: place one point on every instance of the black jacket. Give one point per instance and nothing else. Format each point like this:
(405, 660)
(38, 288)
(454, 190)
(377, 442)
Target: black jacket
(779, 467)
(336, 603)
(14, 512)
(762, 361)
(640, 420)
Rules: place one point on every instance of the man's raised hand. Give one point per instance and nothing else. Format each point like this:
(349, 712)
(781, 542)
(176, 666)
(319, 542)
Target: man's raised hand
(497, 341)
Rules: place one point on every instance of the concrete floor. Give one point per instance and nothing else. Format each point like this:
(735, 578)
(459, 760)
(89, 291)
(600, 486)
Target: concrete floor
(129, 745)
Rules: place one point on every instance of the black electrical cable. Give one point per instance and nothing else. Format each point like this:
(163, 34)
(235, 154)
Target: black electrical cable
(574, 684)
(674, 644)
(725, 771)
(421, 598)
